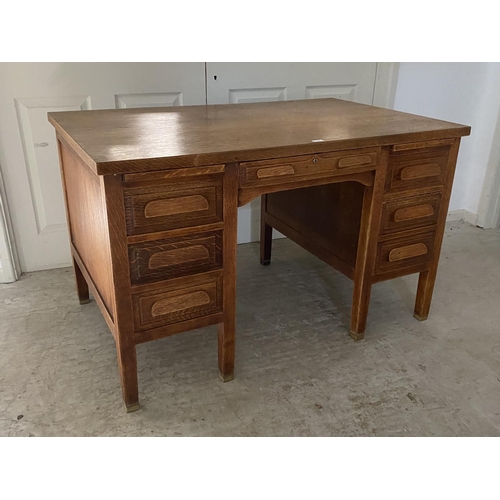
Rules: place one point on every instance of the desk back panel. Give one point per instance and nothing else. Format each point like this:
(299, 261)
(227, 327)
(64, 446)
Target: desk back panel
(329, 215)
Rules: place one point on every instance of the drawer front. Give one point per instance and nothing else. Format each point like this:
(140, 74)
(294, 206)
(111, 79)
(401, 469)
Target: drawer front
(175, 257)
(409, 213)
(405, 252)
(171, 206)
(161, 308)
(420, 170)
(265, 172)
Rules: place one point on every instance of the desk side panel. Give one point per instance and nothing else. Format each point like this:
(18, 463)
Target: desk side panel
(88, 222)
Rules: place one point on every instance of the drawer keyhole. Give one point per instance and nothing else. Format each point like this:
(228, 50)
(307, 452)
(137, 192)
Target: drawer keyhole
(315, 160)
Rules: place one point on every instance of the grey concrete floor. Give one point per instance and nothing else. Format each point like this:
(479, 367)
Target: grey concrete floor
(298, 373)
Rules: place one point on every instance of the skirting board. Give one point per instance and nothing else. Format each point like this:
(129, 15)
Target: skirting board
(464, 215)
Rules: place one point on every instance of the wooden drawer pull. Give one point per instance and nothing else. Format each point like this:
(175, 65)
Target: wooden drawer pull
(178, 256)
(354, 161)
(420, 145)
(415, 212)
(180, 303)
(275, 171)
(407, 252)
(420, 171)
(172, 206)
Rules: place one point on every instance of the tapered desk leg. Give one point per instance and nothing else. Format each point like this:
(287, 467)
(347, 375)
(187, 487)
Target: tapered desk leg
(82, 288)
(127, 365)
(367, 246)
(123, 311)
(266, 235)
(427, 279)
(226, 338)
(425, 289)
(226, 350)
(359, 311)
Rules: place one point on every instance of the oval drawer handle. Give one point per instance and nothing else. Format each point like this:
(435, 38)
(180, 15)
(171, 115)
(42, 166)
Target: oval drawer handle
(172, 206)
(178, 256)
(354, 161)
(415, 212)
(420, 171)
(262, 173)
(407, 252)
(420, 145)
(179, 303)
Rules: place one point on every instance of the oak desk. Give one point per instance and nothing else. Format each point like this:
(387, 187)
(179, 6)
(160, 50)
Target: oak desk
(152, 198)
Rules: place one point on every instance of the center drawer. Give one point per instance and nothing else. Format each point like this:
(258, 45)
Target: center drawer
(266, 172)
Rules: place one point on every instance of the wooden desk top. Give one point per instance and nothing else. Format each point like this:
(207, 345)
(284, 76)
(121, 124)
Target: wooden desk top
(159, 138)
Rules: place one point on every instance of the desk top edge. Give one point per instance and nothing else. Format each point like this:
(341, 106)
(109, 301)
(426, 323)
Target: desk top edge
(232, 133)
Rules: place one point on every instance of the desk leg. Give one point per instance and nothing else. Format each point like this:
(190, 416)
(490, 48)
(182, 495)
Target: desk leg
(123, 311)
(367, 247)
(226, 338)
(427, 279)
(82, 289)
(359, 311)
(266, 234)
(127, 365)
(423, 300)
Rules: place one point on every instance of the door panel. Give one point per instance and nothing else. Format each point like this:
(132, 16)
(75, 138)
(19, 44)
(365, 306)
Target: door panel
(256, 82)
(233, 83)
(28, 152)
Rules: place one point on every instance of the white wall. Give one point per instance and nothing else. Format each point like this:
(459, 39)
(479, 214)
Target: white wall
(467, 93)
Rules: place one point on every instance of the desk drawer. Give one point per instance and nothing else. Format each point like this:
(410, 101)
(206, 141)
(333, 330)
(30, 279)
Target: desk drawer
(174, 205)
(408, 213)
(404, 252)
(175, 257)
(184, 301)
(417, 170)
(265, 172)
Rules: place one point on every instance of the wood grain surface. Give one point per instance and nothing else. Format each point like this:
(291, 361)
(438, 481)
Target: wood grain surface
(137, 140)
(154, 238)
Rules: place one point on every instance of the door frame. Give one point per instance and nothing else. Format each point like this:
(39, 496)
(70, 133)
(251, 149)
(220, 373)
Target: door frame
(488, 215)
(386, 81)
(9, 260)
(383, 95)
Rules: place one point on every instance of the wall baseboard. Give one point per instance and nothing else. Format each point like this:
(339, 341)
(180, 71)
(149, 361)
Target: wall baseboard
(464, 215)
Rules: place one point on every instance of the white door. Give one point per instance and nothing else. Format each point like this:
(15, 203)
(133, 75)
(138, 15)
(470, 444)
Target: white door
(28, 153)
(257, 82)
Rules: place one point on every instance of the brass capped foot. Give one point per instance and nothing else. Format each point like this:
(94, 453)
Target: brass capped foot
(420, 318)
(84, 301)
(133, 408)
(357, 336)
(226, 378)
